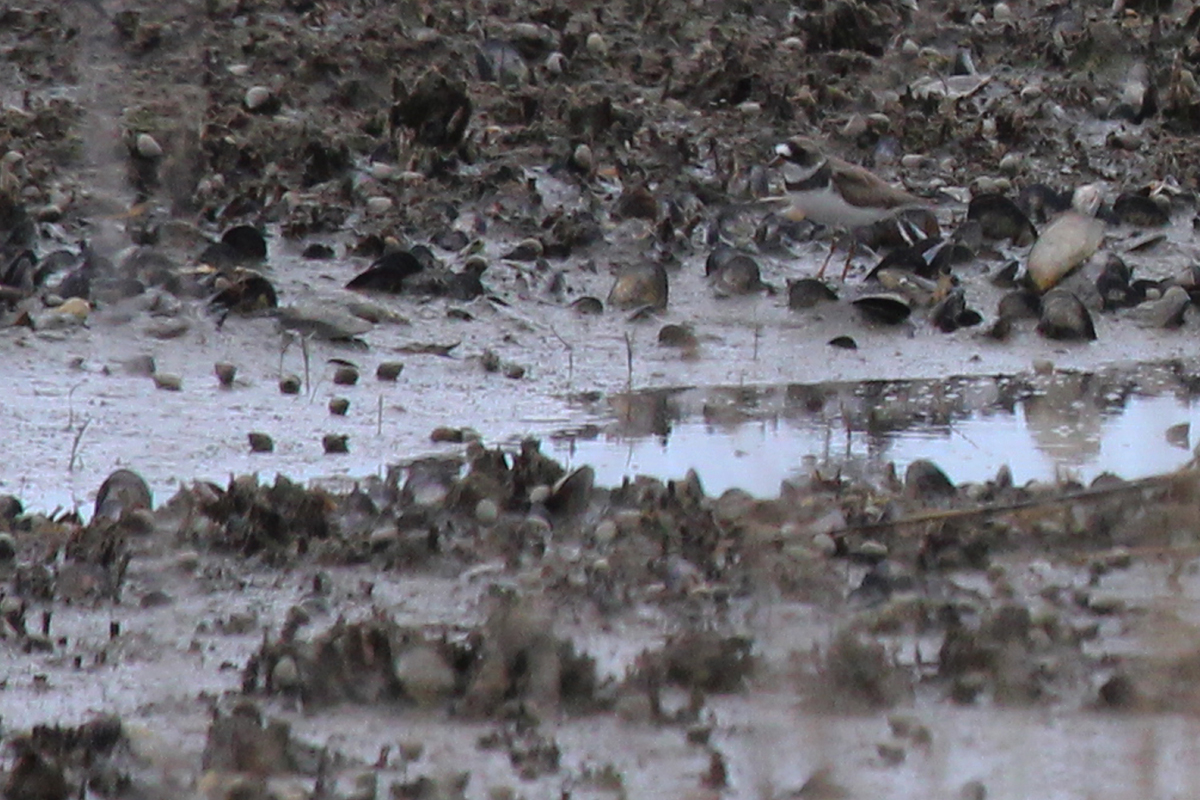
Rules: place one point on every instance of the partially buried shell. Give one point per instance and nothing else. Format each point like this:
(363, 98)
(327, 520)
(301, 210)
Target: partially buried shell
(952, 313)
(1063, 246)
(1000, 218)
(1065, 317)
(1114, 285)
(887, 309)
(732, 272)
(1141, 210)
(122, 491)
(808, 293)
(640, 286)
(243, 291)
(1165, 312)
(388, 273)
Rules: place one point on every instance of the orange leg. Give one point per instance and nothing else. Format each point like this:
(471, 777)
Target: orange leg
(849, 257)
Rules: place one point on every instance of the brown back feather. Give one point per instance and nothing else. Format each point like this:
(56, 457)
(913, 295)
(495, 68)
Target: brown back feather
(863, 188)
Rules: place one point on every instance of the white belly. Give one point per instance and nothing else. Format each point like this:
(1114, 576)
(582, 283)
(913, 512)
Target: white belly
(827, 207)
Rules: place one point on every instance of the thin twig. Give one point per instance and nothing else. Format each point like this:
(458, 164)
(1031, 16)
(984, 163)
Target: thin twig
(1153, 482)
(304, 351)
(71, 406)
(628, 363)
(570, 357)
(75, 444)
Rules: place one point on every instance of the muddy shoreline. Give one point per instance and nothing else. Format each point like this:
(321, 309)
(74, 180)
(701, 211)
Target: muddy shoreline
(409, 232)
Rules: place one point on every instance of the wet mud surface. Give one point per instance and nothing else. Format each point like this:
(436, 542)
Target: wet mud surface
(225, 222)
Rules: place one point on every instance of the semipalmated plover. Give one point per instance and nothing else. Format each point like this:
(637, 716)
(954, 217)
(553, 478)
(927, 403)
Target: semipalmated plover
(836, 193)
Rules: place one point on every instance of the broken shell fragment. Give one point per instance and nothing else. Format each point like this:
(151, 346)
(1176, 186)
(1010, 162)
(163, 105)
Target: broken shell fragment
(1165, 312)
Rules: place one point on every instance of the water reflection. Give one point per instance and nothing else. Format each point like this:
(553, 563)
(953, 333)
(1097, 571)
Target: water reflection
(1133, 422)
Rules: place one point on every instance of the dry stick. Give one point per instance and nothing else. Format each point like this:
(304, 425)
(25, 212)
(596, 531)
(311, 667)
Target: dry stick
(570, 357)
(628, 363)
(304, 351)
(75, 444)
(71, 406)
(1154, 481)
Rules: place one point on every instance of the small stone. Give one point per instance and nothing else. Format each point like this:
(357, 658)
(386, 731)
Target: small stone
(334, 443)
(225, 373)
(187, 561)
(290, 384)
(1010, 164)
(168, 382)
(389, 371)
(582, 158)
(382, 171)
(825, 544)
(749, 108)
(1031, 91)
(260, 442)
(605, 532)
(514, 371)
(911, 161)
(879, 122)
(973, 790)
(891, 755)
(855, 127)
(539, 494)
(556, 63)
(8, 547)
(486, 511)
(597, 45)
(1002, 13)
(871, 549)
(1042, 366)
(148, 147)
(338, 406)
(285, 676)
(345, 375)
(258, 98)
(378, 206)
(978, 19)
(76, 307)
(910, 48)
(155, 599)
(427, 678)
